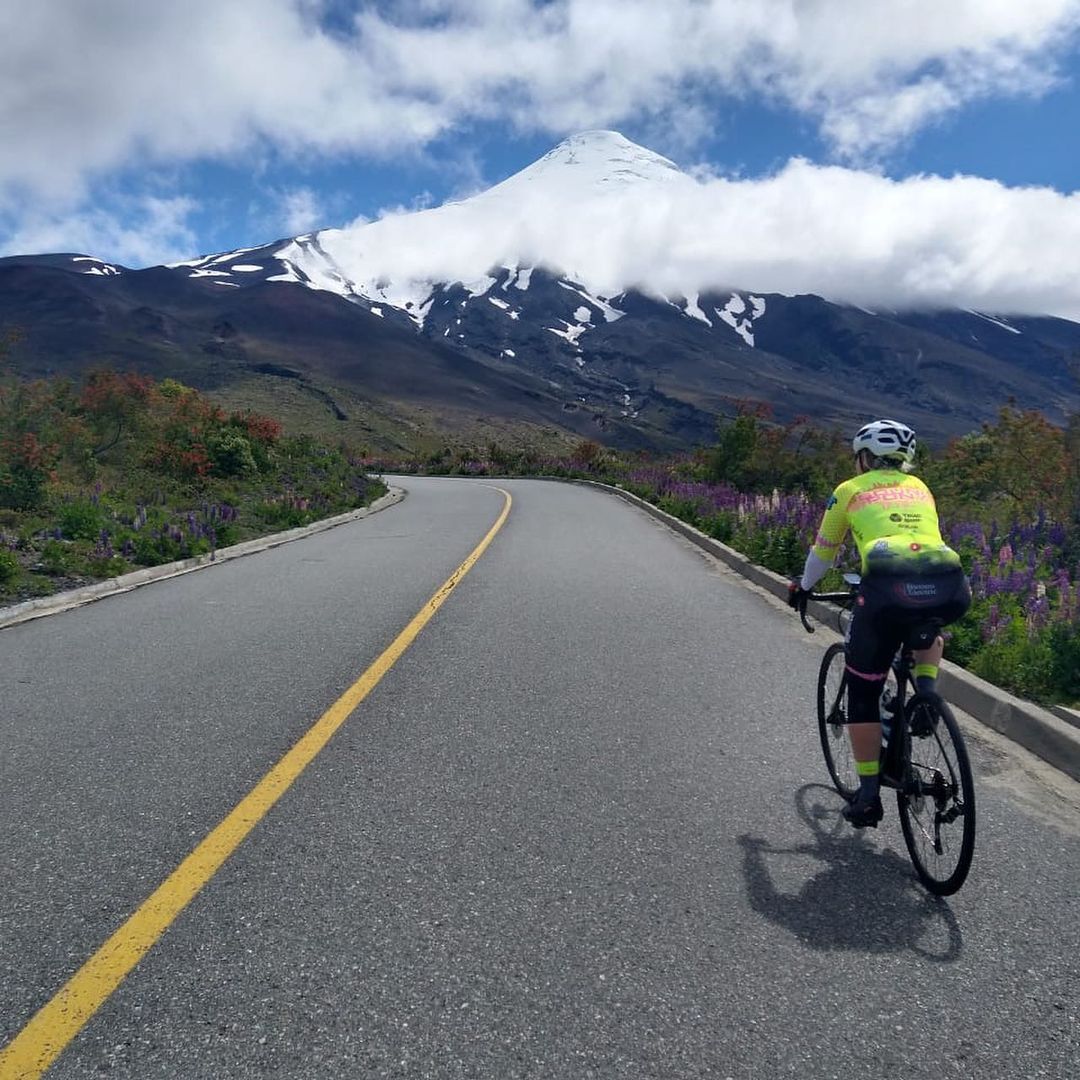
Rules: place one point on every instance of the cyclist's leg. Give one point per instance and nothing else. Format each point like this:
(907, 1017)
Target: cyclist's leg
(927, 664)
(955, 599)
(871, 645)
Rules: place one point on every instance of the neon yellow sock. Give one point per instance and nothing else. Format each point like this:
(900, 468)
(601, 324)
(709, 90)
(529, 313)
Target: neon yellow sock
(869, 779)
(925, 677)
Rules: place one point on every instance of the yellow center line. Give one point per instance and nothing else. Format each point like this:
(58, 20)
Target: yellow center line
(50, 1030)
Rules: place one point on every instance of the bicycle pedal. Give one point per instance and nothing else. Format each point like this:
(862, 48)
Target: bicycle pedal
(866, 816)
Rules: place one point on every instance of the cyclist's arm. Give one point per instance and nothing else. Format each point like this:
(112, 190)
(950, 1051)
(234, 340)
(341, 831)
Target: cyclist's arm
(830, 535)
(814, 570)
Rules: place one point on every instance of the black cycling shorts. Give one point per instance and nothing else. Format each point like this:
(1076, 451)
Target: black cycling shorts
(889, 607)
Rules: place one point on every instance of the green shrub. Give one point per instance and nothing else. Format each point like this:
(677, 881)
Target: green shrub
(230, 453)
(107, 567)
(721, 526)
(1064, 644)
(226, 534)
(22, 486)
(9, 566)
(81, 520)
(1016, 662)
(281, 515)
(153, 549)
(686, 509)
(55, 557)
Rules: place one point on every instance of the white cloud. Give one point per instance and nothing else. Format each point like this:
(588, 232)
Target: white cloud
(89, 88)
(92, 90)
(135, 231)
(848, 234)
(300, 211)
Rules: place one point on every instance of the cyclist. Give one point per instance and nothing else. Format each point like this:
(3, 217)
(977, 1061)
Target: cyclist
(910, 578)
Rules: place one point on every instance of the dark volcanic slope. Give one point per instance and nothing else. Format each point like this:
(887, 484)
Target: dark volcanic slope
(631, 370)
(165, 323)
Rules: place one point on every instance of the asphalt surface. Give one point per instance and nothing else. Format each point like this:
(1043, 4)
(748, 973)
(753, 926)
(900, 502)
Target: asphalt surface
(580, 829)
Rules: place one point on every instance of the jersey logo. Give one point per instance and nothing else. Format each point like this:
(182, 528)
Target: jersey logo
(884, 496)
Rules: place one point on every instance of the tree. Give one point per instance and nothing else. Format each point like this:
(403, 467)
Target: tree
(730, 461)
(115, 405)
(1016, 468)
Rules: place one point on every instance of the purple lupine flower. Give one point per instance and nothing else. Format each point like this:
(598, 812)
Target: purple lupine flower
(1038, 610)
(103, 549)
(992, 624)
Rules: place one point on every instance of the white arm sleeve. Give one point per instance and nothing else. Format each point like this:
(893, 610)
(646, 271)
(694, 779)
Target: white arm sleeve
(815, 569)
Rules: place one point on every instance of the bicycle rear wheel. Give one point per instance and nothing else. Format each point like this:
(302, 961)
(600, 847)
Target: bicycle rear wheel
(938, 818)
(832, 721)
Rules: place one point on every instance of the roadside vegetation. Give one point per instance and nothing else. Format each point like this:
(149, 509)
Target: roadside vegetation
(1008, 496)
(118, 472)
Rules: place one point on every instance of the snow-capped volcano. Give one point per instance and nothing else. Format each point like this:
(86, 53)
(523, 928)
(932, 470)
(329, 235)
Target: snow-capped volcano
(597, 159)
(600, 288)
(560, 213)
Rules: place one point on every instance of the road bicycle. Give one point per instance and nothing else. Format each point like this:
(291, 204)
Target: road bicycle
(923, 757)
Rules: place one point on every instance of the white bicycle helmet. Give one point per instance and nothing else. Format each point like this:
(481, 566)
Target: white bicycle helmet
(887, 439)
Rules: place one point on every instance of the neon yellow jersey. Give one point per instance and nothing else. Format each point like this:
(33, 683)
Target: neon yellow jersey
(893, 520)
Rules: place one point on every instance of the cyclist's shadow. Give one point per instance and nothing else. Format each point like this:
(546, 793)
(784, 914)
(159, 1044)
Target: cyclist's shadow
(864, 898)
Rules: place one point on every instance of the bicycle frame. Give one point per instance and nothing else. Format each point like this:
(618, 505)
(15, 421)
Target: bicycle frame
(897, 751)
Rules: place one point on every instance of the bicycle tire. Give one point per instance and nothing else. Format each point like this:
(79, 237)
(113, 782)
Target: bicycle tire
(832, 722)
(942, 860)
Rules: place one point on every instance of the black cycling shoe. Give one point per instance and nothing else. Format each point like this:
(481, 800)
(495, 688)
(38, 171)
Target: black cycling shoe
(864, 815)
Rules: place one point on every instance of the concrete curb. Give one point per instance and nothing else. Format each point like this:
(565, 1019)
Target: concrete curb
(65, 601)
(1070, 716)
(1048, 736)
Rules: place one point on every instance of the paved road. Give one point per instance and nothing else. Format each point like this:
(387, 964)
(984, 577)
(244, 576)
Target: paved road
(578, 830)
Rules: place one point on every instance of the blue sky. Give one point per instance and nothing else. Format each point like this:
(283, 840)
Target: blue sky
(1017, 141)
(149, 132)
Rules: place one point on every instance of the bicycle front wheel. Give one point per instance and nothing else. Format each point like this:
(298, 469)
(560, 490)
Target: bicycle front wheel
(832, 721)
(937, 805)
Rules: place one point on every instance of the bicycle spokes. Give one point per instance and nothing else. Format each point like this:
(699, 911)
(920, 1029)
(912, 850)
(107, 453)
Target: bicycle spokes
(937, 804)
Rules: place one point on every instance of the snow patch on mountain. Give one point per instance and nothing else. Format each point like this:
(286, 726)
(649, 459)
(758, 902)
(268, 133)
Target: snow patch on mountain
(102, 269)
(997, 322)
(734, 313)
(610, 314)
(289, 274)
(570, 332)
(480, 286)
(694, 310)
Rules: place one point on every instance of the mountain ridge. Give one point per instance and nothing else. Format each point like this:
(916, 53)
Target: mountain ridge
(522, 336)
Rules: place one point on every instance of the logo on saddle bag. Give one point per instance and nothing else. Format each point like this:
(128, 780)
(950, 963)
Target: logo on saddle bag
(917, 592)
